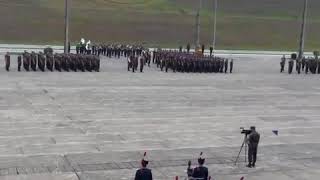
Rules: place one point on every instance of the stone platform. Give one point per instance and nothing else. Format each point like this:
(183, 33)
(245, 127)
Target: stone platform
(96, 126)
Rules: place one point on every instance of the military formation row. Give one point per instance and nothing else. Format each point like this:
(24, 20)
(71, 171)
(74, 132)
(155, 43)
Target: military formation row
(59, 62)
(304, 65)
(135, 60)
(185, 62)
(109, 50)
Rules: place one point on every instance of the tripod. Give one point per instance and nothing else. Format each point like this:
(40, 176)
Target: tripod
(245, 150)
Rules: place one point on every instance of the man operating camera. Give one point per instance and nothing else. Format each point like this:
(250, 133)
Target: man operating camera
(252, 141)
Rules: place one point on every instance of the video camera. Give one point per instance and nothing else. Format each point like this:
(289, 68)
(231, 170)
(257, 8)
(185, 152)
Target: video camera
(245, 131)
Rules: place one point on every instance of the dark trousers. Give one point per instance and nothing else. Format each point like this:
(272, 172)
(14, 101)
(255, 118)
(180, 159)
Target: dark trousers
(252, 154)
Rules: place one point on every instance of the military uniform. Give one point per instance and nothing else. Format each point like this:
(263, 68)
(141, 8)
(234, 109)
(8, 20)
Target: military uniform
(200, 173)
(7, 59)
(142, 61)
(33, 61)
(290, 67)
(226, 66)
(26, 61)
(19, 63)
(282, 64)
(41, 62)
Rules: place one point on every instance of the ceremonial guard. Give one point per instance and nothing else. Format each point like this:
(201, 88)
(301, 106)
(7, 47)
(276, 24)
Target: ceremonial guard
(144, 173)
(200, 172)
(7, 60)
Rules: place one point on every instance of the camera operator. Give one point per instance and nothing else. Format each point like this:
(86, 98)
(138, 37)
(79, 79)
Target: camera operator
(253, 141)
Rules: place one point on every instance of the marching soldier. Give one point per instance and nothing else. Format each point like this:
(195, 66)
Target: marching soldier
(202, 49)
(7, 60)
(33, 61)
(231, 65)
(49, 62)
(303, 63)
(142, 61)
(290, 66)
(19, 63)
(41, 61)
(298, 64)
(57, 62)
(307, 66)
(26, 61)
(282, 63)
(226, 66)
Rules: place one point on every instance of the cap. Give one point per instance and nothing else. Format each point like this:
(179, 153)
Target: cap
(201, 158)
(144, 160)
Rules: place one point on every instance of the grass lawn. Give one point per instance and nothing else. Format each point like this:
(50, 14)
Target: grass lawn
(242, 24)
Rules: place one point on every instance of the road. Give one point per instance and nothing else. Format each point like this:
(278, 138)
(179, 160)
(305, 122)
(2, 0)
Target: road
(93, 126)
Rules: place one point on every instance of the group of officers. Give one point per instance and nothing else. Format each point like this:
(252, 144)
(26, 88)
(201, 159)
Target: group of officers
(186, 62)
(301, 65)
(59, 62)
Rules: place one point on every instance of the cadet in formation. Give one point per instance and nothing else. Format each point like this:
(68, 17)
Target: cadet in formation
(59, 62)
(7, 61)
(185, 62)
(304, 64)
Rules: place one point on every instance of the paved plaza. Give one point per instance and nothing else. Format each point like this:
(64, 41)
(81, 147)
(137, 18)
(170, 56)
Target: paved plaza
(96, 126)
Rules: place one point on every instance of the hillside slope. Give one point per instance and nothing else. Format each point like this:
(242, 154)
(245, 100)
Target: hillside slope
(242, 24)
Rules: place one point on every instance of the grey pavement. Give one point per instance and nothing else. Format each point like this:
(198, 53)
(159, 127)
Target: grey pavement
(93, 126)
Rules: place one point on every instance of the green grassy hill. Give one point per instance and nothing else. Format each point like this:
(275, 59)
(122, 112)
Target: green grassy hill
(242, 24)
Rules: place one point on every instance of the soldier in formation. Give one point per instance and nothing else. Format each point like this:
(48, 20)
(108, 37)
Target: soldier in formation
(7, 61)
(59, 62)
(301, 64)
(185, 62)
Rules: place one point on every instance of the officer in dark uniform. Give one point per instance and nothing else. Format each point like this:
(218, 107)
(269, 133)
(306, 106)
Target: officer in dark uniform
(307, 66)
(180, 49)
(200, 172)
(318, 66)
(231, 65)
(7, 59)
(142, 62)
(298, 64)
(19, 63)
(33, 61)
(253, 141)
(211, 50)
(290, 66)
(144, 173)
(226, 63)
(188, 48)
(282, 63)
(41, 61)
(26, 61)
(202, 49)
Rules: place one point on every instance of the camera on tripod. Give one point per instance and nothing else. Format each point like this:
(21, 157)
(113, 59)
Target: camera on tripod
(245, 131)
